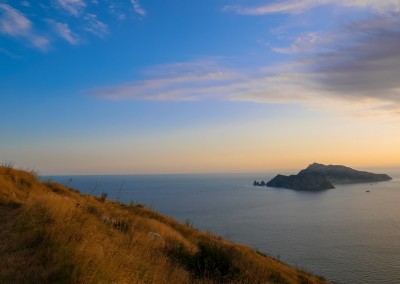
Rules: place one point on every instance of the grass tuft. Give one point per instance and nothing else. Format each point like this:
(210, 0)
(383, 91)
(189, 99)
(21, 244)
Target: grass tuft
(211, 261)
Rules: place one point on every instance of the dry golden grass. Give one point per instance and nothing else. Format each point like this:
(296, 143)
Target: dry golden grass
(51, 233)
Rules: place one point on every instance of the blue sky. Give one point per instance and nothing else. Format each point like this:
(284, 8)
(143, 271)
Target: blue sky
(135, 86)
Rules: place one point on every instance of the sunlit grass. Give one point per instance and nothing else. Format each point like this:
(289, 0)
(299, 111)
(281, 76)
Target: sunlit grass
(51, 233)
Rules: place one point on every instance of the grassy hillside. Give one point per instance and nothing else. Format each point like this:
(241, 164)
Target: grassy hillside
(51, 233)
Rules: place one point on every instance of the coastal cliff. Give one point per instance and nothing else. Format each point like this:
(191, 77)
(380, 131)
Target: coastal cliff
(301, 181)
(320, 177)
(338, 174)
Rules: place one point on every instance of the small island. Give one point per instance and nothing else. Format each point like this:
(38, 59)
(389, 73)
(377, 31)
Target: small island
(321, 177)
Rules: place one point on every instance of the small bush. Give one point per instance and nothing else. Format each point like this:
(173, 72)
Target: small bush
(212, 261)
(9, 165)
(188, 222)
(93, 210)
(103, 196)
(122, 226)
(54, 187)
(24, 183)
(303, 279)
(34, 173)
(135, 204)
(276, 277)
(11, 204)
(63, 272)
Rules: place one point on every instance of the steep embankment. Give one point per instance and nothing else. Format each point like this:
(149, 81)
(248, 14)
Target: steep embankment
(51, 233)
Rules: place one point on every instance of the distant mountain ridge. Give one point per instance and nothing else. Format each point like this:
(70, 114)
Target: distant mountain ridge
(319, 177)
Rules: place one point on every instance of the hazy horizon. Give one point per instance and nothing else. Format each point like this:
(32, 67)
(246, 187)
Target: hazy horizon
(287, 171)
(134, 87)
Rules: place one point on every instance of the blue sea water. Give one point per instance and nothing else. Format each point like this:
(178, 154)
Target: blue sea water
(346, 234)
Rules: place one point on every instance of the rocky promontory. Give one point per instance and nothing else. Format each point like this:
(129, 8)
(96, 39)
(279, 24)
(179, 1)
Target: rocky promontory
(338, 174)
(301, 181)
(320, 177)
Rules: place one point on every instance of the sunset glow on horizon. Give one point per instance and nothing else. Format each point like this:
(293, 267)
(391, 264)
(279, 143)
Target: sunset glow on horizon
(134, 87)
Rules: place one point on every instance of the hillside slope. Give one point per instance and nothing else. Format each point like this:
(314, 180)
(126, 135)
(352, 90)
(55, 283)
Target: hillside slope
(51, 233)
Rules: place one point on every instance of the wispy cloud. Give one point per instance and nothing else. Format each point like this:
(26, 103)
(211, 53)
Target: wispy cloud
(182, 82)
(352, 70)
(292, 7)
(299, 6)
(63, 30)
(71, 20)
(137, 8)
(116, 10)
(25, 3)
(73, 7)
(95, 26)
(306, 42)
(9, 54)
(15, 24)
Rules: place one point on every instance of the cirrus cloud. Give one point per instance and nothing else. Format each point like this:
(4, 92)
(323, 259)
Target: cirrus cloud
(95, 26)
(352, 70)
(40, 23)
(299, 6)
(73, 7)
(15, 24)
(137, 8)
(64, 31)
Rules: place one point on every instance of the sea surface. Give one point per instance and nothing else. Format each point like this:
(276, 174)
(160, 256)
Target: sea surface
(350, 234)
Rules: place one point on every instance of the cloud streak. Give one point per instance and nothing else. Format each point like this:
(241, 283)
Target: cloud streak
(352, 70)
(15, 24)
(95, 26)
(64, 31)
(182, 82)
(9, 54)
(71, 20)
(300, 6)
(73, 7)
(137, 8)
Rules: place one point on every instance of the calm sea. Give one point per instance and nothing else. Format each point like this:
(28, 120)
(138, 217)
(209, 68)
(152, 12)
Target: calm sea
(347, 235)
